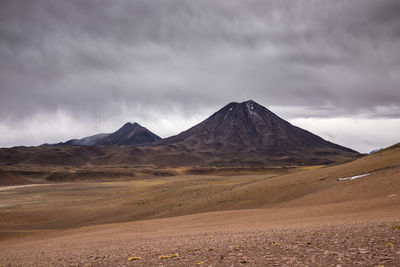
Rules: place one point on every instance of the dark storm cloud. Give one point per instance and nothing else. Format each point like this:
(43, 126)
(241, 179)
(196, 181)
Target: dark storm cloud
(97, 59)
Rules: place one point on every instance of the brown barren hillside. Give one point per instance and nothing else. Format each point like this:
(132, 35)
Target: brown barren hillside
(9, 178)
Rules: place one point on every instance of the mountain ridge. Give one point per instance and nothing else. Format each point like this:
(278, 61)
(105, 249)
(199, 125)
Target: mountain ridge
(128, 134)
(239, 134)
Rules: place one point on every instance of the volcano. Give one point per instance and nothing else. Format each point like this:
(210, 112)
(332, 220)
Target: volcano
(129, 134)
(249, 132)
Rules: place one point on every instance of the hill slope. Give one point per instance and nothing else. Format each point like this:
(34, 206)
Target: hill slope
(129, 134)
(319, 186)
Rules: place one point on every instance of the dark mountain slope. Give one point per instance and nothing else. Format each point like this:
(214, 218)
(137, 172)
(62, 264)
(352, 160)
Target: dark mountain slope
(129, 134)
(249, 131)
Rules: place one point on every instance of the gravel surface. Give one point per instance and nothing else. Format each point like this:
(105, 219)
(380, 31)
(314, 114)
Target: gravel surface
(347, 244)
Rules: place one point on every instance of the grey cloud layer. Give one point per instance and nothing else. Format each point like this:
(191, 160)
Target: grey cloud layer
(95, 59)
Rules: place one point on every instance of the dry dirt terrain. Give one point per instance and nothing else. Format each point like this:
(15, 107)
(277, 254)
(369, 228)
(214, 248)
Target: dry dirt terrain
(304, 217)
(230, 238)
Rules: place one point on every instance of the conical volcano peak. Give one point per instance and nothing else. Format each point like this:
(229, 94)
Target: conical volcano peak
(130, 134)
(250, 129)
(247, 114)
(249, 111)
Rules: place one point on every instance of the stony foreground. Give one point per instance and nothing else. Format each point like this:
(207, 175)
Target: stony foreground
(348, 244)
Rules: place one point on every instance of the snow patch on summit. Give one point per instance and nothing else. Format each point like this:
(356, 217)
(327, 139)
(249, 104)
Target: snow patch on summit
(252, 112)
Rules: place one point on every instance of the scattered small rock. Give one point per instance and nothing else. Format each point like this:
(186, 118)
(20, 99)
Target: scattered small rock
(363, 251)
(134, 258)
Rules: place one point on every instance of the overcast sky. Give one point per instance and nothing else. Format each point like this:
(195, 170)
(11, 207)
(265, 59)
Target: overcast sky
(72, 68)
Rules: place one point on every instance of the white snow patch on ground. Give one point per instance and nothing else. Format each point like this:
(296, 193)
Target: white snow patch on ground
(4, 188)
(353, 177)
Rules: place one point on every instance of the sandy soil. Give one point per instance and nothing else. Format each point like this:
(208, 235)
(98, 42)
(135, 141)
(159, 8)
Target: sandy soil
(261, 237)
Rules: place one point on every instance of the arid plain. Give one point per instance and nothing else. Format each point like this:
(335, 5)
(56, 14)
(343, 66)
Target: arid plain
(205, 216)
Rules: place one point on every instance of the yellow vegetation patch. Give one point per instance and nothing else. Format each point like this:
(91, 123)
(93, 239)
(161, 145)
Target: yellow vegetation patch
(163, 257)
(308, 168)
(200, 262)
(389, 245)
